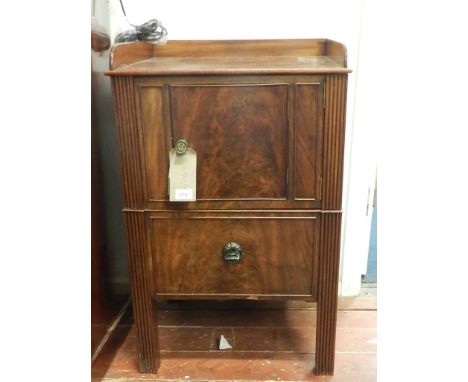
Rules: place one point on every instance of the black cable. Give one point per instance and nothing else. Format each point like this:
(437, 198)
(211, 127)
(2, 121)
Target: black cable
(152, 30)
(123, 9)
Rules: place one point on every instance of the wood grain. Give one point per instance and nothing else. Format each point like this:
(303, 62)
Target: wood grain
(141, 277)
(329, 261)
(267, 120)
(268, 344)
(337, 51)
(280, 255)
(125, 54)
(308, 115)
(334, 134)
(156, 150)
(167, 66)
(239, 134)
(263, 126)
(126, 123)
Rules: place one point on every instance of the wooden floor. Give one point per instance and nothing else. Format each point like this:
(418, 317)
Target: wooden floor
(271, 341)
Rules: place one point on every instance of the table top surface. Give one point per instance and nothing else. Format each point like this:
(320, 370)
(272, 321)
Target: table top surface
(229, 57)
(232, 65)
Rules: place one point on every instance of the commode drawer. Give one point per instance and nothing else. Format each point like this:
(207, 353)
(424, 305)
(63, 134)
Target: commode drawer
(219, 254)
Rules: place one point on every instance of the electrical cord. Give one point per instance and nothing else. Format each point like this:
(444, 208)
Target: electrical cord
(152, 30)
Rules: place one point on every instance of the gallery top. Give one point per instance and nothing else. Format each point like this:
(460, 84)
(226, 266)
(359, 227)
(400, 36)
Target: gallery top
(203, 57)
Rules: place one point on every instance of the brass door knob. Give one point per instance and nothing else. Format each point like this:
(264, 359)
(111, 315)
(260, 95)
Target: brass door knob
(181, 146)
(232, 253)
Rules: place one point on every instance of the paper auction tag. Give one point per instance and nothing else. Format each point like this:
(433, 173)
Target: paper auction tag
(183, 176)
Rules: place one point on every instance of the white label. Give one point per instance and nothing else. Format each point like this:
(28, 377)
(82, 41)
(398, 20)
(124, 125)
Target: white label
(183, 176)
(183, 194)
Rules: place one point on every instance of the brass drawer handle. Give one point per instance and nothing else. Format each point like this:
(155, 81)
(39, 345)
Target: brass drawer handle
(232, 253)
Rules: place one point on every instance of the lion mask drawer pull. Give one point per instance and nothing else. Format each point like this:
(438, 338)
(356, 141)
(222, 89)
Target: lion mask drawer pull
(232, 253)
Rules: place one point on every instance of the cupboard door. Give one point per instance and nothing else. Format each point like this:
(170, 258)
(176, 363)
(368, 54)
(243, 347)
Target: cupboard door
(240, 135)
(258, 145)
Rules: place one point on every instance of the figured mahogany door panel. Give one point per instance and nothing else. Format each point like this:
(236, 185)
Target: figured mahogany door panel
(308, 117)
(240, 135)
(258, 139)
(279, 255)
(156, 141)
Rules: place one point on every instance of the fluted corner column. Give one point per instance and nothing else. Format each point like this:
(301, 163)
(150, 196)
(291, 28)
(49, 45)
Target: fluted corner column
(329, 257)
(327, 294)
(144, 309)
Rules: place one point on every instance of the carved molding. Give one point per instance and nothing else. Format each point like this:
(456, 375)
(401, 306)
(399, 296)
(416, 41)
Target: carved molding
(333, 147)
(140, 269)
(126, 122)
(329, 260)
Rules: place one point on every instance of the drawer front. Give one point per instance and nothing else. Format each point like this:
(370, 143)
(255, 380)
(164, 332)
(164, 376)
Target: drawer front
(258, 140)
(279, 254)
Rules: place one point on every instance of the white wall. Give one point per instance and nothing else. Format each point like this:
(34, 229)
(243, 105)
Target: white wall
(106, 137)
(242, 19)
(360, 165)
